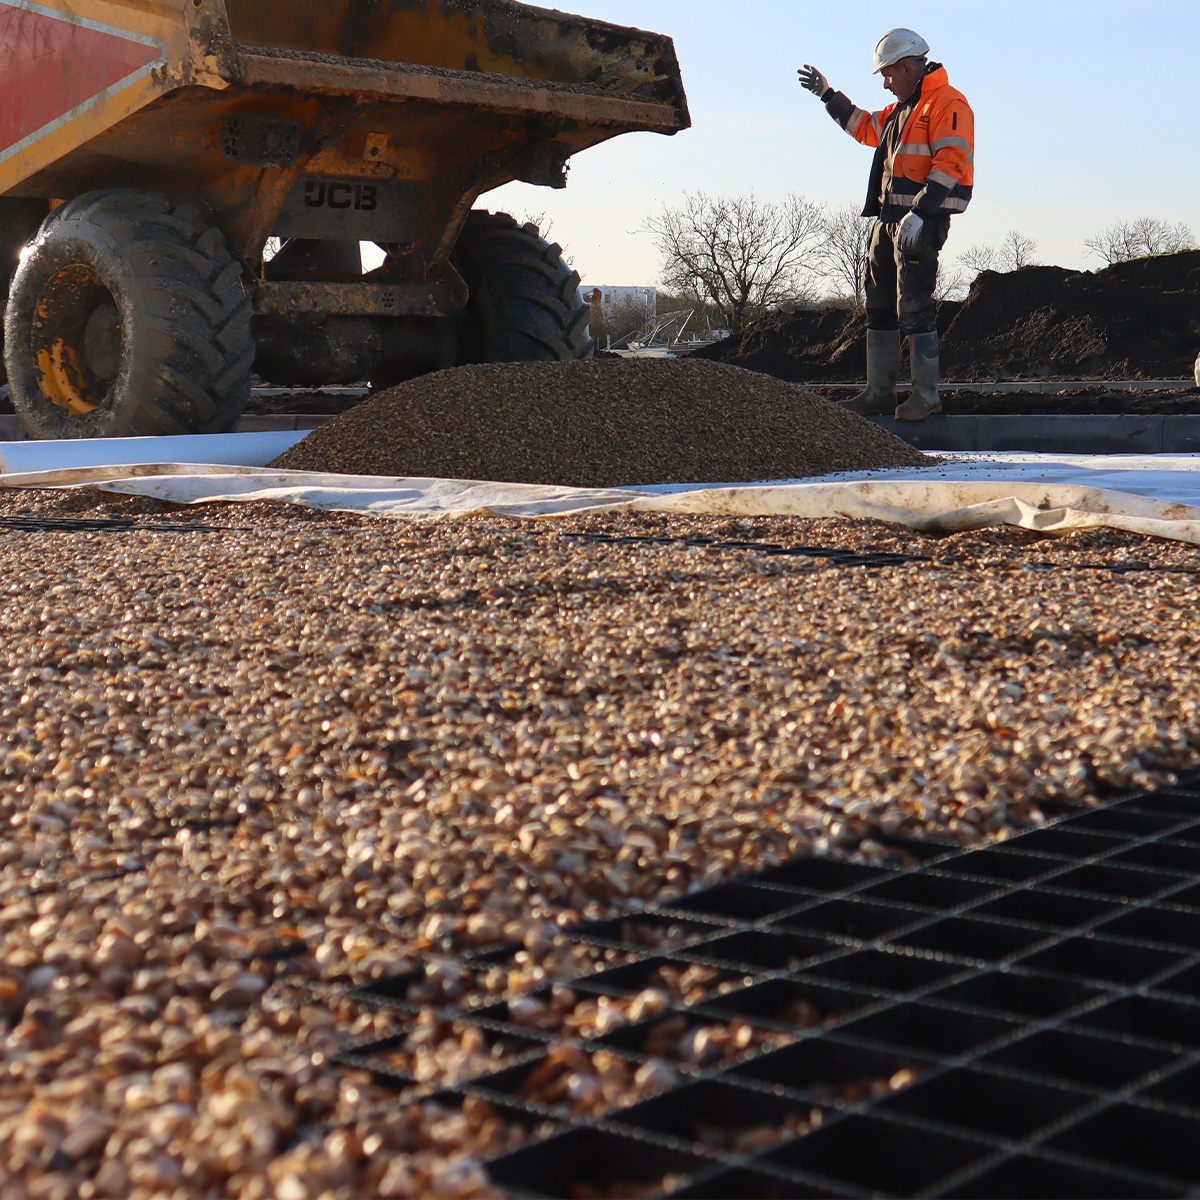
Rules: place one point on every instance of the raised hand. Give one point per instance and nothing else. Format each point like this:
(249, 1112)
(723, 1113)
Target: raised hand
(812, 79)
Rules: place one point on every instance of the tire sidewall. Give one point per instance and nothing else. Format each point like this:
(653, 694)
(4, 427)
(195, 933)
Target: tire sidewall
(56, 248)
(524, 303)
(20, 221)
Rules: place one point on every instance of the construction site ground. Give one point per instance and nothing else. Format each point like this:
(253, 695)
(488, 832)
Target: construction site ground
(255, 755)
(1003, 398)
(1078, 397)
(1083, 416)
(1069, 416)
(1065, 416)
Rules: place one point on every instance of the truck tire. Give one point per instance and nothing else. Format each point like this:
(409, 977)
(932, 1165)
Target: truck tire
(19, 221)
(525, 304)
(128, 317)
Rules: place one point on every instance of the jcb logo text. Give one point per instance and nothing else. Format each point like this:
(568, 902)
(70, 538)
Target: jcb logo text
(362, 197)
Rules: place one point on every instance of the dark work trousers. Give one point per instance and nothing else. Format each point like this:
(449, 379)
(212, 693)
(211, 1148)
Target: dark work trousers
(899, 287)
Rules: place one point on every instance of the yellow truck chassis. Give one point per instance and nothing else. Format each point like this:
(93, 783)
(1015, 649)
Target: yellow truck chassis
(208, 127)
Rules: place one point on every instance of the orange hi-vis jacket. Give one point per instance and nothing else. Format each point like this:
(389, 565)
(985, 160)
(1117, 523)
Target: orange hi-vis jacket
(925, 157)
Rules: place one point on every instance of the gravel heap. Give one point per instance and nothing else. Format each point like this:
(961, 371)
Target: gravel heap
(311, 749)
(599, 424)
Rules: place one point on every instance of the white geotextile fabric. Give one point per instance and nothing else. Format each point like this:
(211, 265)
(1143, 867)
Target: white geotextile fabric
(1156, 495)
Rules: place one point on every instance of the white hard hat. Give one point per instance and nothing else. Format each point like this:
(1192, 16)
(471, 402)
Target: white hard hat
(897, 44)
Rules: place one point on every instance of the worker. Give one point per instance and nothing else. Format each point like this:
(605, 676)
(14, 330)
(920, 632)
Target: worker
(923, 172)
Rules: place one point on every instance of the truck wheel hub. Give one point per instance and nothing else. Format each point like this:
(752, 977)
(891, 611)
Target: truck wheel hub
(76, 339)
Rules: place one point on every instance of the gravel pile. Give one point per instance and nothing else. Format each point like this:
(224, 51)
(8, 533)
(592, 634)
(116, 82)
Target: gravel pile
(310, 749)
(599, 424)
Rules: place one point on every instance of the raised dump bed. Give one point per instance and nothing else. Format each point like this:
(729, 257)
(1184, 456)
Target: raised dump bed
(149, 149)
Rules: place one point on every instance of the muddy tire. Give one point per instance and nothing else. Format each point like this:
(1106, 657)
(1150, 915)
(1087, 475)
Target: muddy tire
(19, 221)
(525, 304)
(128, 317)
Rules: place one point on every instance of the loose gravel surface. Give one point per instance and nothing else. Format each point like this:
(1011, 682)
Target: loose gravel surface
(599, 424)
(303, 749)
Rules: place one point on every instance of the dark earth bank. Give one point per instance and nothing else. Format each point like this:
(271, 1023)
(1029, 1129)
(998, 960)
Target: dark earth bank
(1133, 320)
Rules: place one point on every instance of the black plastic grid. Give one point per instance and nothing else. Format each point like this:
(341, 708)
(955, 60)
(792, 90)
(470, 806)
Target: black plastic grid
(833, 556)
(50, 524)
(49, 877)
(1022, 1019)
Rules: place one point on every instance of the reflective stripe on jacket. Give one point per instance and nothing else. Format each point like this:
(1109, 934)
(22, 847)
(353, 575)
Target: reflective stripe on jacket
(933, 166)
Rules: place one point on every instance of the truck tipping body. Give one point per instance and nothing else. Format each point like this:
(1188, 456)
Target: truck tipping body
(129, 125)
(372, 120)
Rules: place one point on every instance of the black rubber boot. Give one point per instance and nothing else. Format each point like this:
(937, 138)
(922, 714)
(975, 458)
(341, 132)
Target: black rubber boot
(923, 358)
(883, 366)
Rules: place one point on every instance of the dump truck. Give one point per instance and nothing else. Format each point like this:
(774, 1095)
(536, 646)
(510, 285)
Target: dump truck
(153, 154)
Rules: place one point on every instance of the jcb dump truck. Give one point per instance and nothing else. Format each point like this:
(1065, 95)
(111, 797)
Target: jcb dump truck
(150, 148)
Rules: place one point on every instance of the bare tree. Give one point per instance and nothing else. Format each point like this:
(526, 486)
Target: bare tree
(845, 246)
(1017, 251)
(743, 254)
(1140, 238)
(1014, 252)
(978, 259)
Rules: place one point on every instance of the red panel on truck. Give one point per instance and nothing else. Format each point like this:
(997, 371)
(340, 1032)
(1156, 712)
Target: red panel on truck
(53, 64)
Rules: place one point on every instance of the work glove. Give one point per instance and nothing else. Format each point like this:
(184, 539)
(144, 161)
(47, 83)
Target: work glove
(908, 232)
(812, 79)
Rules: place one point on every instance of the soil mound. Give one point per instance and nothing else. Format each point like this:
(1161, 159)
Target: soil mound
(1133, 320)
(598, 424)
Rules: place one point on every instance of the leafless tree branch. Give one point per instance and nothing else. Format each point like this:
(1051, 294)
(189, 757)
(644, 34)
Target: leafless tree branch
(843, 252)
(741, 254)
(1125, 240)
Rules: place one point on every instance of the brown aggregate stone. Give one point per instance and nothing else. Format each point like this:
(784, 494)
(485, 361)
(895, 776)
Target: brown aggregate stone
(308, 749)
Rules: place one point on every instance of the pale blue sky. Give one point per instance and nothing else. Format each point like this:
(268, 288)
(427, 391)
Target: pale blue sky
(1084, 116)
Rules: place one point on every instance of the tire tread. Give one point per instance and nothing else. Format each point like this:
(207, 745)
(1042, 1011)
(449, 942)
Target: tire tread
(188, 290)
(538, 293)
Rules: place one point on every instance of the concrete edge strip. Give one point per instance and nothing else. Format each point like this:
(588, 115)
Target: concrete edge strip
(1175, 433)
